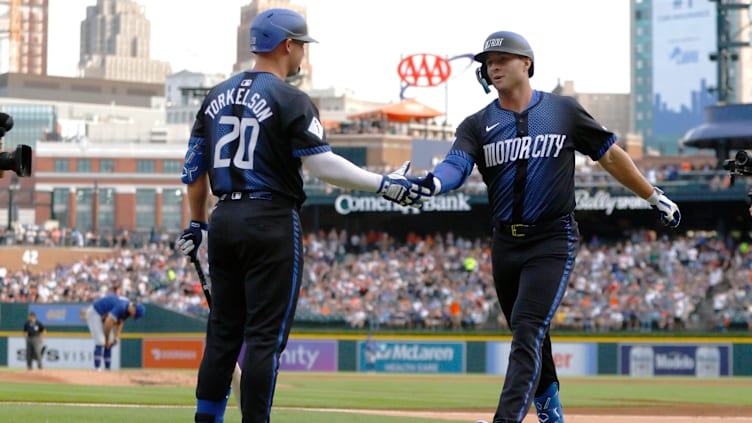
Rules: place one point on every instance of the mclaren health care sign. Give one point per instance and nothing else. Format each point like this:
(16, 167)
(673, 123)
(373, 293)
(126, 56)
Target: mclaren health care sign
(413, 357)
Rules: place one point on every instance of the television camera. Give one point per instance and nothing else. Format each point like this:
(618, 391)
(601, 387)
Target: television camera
(740, 165)
(19, 160)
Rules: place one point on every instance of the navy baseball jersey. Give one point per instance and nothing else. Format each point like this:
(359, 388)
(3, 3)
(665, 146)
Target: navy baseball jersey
(248, 142)
(34, 328)
(113, 304)
(535, 150)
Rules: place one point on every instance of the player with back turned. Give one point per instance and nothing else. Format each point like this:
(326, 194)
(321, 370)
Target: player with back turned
(524, 144)
(252, 135)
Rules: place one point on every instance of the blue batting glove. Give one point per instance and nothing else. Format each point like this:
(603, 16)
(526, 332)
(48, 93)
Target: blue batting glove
(427, 186)
(396, 188)
(669, 211)
(193, 235)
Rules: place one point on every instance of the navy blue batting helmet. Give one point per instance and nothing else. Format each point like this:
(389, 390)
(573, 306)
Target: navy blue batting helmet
(507, 42)
(273, 26)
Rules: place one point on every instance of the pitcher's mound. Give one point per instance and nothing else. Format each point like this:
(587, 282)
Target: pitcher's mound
(104, 378)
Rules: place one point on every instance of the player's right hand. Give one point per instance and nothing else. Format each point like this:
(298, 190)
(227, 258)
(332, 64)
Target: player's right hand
(190, 240)
(670, 214)
(397, 188)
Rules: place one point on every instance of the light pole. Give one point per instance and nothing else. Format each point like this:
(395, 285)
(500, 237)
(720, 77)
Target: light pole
(13, 187)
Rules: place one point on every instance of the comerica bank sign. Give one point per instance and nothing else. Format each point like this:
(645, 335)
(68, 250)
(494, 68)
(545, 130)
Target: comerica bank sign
(346, 204)
(459, 202)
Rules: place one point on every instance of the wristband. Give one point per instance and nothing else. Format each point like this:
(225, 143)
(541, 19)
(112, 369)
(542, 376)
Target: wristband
(199, 224)
(653, 199)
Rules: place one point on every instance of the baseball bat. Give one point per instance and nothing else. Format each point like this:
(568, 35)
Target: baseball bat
(236, 373)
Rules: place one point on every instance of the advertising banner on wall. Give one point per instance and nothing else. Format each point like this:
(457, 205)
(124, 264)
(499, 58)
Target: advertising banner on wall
(172, 353)
(571, 359)
(645, 360)
(309, 356)
(302, 355)
(59, 353)
(59, 314)
(684, 35)
(411, 357)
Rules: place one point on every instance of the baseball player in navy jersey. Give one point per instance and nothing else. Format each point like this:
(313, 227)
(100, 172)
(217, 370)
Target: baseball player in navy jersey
(524, 144)
(251, 137)
(105, 318)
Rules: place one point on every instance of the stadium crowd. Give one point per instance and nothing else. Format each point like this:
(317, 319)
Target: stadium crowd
(442, 281)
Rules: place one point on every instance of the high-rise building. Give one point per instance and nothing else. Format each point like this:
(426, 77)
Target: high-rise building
(23, 36)
(673, 77)
(115, 41)
(245, 59)
(742, 31)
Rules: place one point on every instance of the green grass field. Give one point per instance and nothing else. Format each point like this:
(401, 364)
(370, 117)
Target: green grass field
(33, 402)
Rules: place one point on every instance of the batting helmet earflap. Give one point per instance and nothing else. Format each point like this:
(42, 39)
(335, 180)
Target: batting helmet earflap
(507, 42)
(272, 26)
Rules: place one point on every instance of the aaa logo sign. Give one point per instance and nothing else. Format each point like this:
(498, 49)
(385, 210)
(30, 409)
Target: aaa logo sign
(424, 70)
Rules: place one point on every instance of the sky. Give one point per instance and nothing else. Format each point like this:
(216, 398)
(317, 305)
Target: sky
(360, 43)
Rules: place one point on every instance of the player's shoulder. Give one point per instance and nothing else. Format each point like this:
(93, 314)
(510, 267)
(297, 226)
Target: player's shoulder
(563, 100)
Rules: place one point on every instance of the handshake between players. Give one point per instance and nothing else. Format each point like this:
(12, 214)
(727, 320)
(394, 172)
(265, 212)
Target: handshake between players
(410, 192)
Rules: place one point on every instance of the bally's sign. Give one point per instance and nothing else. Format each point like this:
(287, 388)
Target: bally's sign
(603, 201)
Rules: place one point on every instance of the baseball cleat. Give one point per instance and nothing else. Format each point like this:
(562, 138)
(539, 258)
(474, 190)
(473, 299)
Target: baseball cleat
(548, 406)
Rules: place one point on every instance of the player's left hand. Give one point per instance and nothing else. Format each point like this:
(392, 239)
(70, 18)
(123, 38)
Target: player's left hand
(669, 211)
(397, 188)
(189, 242)
(427, 186)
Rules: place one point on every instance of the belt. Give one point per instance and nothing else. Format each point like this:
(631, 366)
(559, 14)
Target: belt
(253, 195)
(521, 230)
(259, 195)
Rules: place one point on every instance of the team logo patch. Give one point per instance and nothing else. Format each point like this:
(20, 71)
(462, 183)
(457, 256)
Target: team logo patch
(316, 128)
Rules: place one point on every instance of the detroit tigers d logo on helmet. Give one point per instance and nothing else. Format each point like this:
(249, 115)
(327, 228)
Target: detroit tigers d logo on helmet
(507, 42)
(502, 42)
(273, 26)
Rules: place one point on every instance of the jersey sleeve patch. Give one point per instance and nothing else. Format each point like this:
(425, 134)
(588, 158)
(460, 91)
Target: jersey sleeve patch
(316, 128)
(195, 164)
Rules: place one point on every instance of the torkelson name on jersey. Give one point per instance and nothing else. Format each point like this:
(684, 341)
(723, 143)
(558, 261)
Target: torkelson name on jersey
(255, 103)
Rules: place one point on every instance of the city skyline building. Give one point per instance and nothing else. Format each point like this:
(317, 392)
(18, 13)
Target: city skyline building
(244, 57)
(23, 36)
(115, 43)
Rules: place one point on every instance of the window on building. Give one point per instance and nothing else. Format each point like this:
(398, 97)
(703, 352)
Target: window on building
(59, 212)
(106, 166)
(106, 210)
(61, 165)
(145, 209)
(172, 166)
(172, 208)
(83, 165)
(145, 166)
(84, 197)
